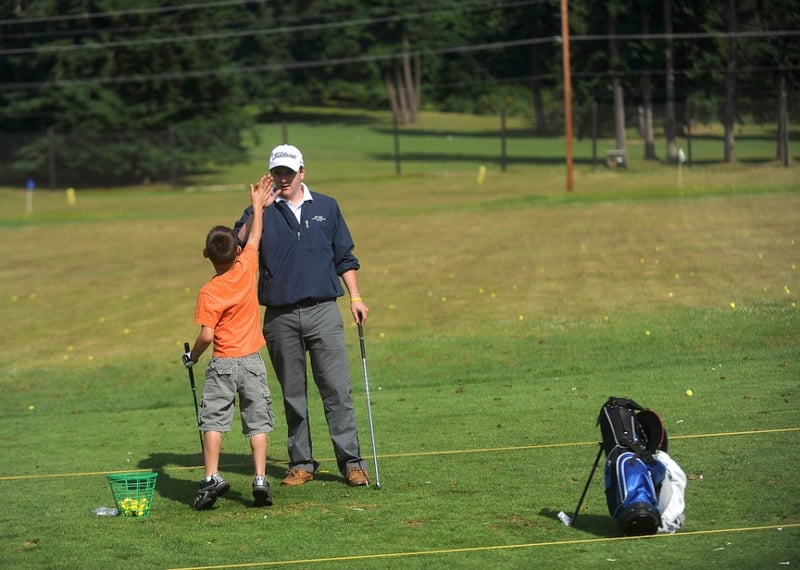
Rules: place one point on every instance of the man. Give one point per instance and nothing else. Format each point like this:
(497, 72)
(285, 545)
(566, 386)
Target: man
(306, 254)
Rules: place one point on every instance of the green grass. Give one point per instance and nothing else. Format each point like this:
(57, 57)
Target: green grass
(501, 318)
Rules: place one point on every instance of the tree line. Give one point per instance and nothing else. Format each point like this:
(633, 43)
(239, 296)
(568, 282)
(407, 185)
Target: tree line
(189, 79)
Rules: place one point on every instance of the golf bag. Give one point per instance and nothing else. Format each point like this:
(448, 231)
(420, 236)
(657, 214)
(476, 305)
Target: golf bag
(633, 476)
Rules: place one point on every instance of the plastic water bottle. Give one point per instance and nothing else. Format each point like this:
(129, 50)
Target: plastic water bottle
(106, 511)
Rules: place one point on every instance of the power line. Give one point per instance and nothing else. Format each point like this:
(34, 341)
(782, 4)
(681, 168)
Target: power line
(268, 68)
(526, 79)
(136, 12)
(337, 23)
(689, 35)
(369, 21)
(203, 37)
(405, 8)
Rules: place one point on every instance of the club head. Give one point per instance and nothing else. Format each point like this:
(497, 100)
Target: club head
(565, 518)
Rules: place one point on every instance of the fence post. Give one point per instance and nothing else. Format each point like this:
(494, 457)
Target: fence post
(397, 168)
(783, 122)
(594, 135)
(172, 166)
(503, 137)
(51, 144)
(688, 134)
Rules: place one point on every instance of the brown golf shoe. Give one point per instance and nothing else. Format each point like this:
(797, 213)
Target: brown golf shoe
(356, 477)
(297, 476)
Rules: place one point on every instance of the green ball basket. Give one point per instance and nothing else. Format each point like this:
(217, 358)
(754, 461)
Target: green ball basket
(133, 493)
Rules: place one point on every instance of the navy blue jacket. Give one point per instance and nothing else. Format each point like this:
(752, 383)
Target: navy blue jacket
(302, 262)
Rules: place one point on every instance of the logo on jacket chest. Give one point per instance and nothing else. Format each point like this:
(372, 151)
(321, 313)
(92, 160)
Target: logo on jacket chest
(318, 218)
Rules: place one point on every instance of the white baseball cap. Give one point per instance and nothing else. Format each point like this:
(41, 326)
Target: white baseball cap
(286, 155)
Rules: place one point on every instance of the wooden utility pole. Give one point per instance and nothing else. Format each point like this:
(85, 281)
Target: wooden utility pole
(567, 89)
(730, 85)
(669, 112)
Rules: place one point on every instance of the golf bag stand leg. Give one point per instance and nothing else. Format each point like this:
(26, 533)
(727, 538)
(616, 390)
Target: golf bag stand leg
(586, 487)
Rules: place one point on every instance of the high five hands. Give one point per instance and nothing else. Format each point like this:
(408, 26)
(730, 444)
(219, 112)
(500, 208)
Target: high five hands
(263, 194)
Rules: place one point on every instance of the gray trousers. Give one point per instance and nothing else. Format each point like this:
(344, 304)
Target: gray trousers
(318, 331)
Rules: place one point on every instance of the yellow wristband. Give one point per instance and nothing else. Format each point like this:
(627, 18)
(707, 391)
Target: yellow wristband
(354, 299)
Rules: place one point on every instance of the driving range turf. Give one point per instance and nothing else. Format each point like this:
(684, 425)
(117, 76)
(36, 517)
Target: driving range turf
(502, 316)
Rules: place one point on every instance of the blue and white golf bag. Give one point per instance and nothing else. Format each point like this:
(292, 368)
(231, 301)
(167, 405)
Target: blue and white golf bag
(631, 492)
(633, 439)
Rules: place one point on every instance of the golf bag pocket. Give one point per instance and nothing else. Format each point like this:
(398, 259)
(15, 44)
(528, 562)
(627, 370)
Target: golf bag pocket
(631, 492)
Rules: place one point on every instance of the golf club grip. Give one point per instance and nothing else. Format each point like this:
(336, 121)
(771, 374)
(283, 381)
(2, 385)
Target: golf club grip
(361, 340)
(187, 348)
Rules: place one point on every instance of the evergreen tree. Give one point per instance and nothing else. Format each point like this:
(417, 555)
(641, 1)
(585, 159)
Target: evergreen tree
(130, 95)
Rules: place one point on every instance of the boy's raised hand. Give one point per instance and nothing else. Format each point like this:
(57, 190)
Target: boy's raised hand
(261, 194)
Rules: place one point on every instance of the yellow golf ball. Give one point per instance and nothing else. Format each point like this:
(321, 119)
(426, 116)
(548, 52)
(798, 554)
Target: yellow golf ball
(689, 392)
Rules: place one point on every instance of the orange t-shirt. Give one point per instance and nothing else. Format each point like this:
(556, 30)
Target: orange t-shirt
(229, 304)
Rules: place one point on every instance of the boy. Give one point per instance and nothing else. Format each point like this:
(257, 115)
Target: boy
(228, 315)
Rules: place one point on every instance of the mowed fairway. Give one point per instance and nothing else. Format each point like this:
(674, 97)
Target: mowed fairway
(501, 318)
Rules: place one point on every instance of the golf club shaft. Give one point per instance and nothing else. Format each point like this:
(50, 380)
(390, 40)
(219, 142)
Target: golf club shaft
(194, 396)
(586, 487)
(369, 405)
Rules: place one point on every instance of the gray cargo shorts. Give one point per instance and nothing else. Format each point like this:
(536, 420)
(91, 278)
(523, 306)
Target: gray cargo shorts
(227, 377)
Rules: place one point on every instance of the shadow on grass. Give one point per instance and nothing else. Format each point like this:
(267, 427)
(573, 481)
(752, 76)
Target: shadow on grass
(769, 135)
(531, 133)
(441, 158)
(494, 158)
(181, 487)
(598, 525)
(746, 160)
(175, 484)
(316, 118)
(491, 133)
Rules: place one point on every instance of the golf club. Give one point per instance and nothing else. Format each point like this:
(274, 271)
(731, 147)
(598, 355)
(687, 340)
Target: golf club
(564, 517)
(186, 349)
(369, 406)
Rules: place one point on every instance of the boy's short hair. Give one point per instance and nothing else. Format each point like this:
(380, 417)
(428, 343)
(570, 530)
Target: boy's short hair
(221, 245)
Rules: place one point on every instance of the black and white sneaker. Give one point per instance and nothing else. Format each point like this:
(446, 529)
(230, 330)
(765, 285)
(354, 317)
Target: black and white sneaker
(210, 491)
(261, 492)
